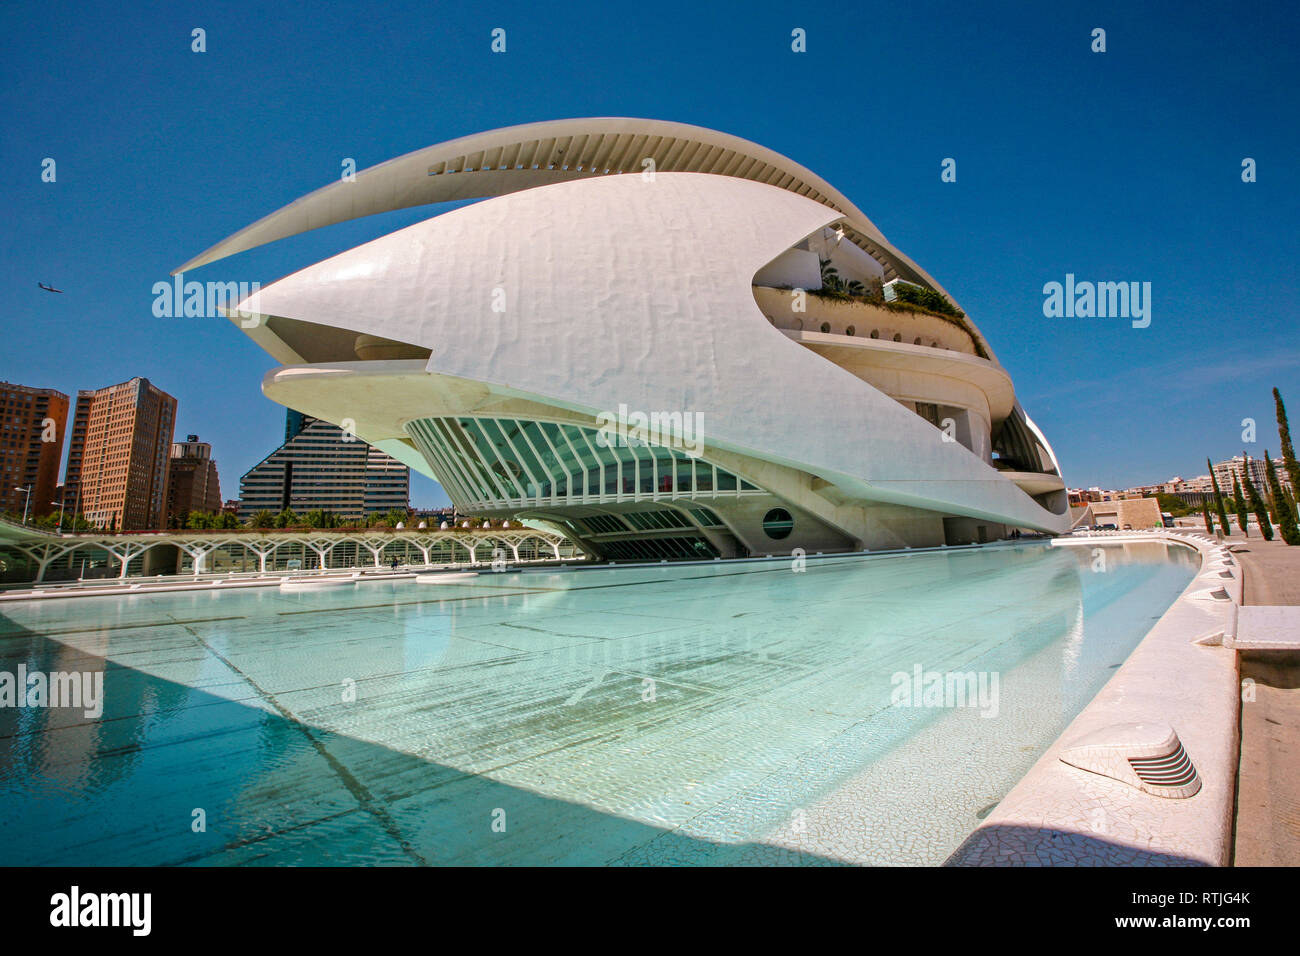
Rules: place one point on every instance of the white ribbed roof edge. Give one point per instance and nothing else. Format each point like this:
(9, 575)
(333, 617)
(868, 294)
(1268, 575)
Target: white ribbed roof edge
(516, 158)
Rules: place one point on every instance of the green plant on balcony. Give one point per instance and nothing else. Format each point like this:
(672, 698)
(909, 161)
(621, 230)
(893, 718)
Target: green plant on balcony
(916, 300)
(927, 299)
(835, 286)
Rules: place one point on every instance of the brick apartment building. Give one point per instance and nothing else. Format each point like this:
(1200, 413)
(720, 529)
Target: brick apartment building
(31, 445)
(119, 455)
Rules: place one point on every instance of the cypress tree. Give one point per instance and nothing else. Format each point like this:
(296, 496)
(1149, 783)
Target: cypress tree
(1286, 525)
(1218, 499)
(1205, 510)
(1288, 452)
(1256, 503)
(1239, 501)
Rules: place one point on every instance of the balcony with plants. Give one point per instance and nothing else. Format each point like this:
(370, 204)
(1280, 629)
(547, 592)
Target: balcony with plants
(867, 307)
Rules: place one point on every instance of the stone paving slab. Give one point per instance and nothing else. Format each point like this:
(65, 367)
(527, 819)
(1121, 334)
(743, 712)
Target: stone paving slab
(1267, 830)
(1267, 628)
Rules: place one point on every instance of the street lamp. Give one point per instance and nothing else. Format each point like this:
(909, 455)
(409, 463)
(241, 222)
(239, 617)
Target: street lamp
(60, 503)
(28, 503)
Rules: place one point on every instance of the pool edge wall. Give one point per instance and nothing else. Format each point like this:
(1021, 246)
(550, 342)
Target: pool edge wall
(1059, 815)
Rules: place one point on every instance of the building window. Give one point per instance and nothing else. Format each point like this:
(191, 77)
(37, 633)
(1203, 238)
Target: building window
(777, 524)
(875, 333)
(851, 331)
(707, 518)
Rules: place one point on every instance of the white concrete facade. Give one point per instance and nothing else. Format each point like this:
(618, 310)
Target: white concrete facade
(482, 346)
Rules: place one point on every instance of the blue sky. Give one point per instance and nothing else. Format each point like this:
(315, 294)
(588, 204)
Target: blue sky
(1117, 166)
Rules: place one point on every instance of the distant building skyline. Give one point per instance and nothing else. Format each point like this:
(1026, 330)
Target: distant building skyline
(1238, 465)
(1223, 467)
(50, 460)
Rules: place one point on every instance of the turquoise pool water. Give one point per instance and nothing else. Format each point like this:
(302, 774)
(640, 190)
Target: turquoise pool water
(725, 714)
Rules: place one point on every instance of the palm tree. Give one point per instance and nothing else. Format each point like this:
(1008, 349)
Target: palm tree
(833, 285)
(830, 275)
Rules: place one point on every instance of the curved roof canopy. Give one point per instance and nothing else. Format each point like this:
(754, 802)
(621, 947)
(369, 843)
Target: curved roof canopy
(536, 154)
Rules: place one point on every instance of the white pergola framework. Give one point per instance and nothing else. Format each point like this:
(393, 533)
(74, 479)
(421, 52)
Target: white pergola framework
(272, 551)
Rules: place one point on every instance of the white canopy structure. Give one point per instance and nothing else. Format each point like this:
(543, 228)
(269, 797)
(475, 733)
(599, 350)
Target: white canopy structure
(641, 271)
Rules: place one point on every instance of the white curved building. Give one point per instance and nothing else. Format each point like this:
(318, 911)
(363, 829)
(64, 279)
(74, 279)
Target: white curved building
(651, 267)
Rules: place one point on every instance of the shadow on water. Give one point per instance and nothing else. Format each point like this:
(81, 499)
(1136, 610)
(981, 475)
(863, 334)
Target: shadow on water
(132, 787)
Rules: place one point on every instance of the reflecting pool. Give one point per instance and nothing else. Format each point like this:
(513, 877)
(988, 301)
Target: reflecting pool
(862, 710)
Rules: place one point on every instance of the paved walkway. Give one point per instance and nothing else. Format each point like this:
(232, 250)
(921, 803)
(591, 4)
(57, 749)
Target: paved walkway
(1268, 782)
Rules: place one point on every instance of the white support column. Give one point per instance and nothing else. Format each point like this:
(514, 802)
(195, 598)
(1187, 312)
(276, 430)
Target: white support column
(321, 552)
(374, 551)
(198, 551)
(263, 550)
(126, 553)
(46, 554)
